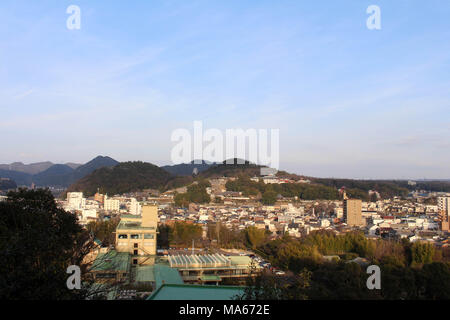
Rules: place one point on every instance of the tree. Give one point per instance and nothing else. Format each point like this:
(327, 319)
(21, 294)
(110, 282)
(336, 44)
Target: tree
(103, 231)
(38, 242)
(255, 237)
(422, 253)
(269, 197)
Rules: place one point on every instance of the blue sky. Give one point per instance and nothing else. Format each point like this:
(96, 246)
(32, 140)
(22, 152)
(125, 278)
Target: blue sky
(349, 102)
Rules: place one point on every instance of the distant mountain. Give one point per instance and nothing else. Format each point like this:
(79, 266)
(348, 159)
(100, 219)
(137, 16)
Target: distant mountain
(21, 178)
(122, 178)
(7, 184)
(61, 175)
(91, 166)
(57, 175)
(73, 165)
(187, 169)
(33, 168)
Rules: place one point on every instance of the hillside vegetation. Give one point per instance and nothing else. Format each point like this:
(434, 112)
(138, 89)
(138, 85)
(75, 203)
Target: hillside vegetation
(122, 178)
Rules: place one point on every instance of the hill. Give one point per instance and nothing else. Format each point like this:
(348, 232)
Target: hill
(91, 166)
(7, 184)
(232, 168)
(21, 178)
(122, 178)
(187, 169)
(57, 175)
(33, 168)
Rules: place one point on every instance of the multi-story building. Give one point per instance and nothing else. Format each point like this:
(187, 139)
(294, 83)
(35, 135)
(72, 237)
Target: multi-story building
(111, 204)
(75, 200)
(137, 235)
(444, 212)
(135, 207)
(353, 212)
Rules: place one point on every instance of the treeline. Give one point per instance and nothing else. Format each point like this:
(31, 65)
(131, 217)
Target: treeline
(196, 193)
(178, 234)
(217, 235)
(386, 189)
(408, 270)
(268, 192)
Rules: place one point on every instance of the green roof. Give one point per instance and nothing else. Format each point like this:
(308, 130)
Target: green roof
(195, 292)
(166, 275)
(145, 274)
(112, 261)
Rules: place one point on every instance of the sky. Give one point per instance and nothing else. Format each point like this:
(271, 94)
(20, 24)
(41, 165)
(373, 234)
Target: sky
(348, 101)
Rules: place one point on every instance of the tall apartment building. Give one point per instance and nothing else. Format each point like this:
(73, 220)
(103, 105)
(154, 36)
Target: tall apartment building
(135, 207)
(353, 212)
(75, 200)
(111, 204)
(137, 235)
(444, 212)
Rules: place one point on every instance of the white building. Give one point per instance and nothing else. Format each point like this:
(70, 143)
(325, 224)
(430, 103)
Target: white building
(444, 205)
(111, 204)
(135, 207)
(75, 200)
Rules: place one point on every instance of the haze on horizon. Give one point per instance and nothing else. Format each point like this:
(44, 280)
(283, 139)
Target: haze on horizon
(349, 102)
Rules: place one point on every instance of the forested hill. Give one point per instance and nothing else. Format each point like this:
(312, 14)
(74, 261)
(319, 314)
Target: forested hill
(122, 178)
(232, 168)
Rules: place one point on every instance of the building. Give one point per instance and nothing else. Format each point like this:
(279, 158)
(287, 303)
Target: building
(75, 200)
(111, 266)
(353, 212)
(211, 268)
(99, 197)
(135, 207)
(137, 235)
(444, 212)
(111, 204)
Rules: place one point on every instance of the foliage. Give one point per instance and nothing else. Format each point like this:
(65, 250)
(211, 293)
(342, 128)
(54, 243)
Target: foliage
(255, 237)
(422, 253)
(38, 242)
(182, 233)
(103, 230)
(124, 177)
(196, 193)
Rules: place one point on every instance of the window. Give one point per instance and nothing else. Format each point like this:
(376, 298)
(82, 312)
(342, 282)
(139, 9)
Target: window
(135, 236)
(123, 236)
(135, 252)
(149, 236)
(135, 261)
(135, 245)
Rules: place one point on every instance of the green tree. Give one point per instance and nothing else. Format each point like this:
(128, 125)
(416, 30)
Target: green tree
(38, 242)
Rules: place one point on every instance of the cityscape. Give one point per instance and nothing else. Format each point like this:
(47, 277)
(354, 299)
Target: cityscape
(223, 158)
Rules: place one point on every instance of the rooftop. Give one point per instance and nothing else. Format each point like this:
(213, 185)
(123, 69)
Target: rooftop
(127, 225)
(112, 261)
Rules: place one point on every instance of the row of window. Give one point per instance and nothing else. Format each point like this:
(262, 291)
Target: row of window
(137, 236)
